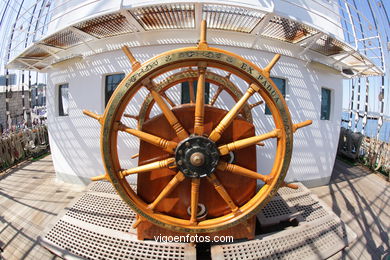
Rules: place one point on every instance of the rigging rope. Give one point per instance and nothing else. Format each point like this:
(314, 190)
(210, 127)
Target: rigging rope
(351, 104)
(381, 98)
(364, 121)
(357, 116)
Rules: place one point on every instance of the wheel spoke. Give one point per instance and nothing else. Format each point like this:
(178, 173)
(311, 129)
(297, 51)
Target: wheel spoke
(235, 169)
(222, 191)
(194, 199)
(191, 87)
(219, 90)
(252, 106)
(131, 116)
(166, 145)
(226, 121)
(172, 119)
(199, 105)
(179, 177)
(240, 144)
(168, 99)
(148, 167)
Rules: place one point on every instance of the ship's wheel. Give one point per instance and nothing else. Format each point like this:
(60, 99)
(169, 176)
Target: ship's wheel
(196, 150)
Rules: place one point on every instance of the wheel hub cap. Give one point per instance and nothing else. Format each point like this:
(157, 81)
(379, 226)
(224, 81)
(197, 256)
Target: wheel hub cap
(197, 156)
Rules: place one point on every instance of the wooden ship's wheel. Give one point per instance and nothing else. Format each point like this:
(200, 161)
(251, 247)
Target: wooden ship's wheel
(197, 163)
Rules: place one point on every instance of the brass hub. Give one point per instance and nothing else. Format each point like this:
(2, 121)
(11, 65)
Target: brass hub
(196, 156)
(197, 159)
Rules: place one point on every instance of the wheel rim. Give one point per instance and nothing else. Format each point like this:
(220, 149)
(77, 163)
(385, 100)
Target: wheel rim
(185, 57)
(190, 75)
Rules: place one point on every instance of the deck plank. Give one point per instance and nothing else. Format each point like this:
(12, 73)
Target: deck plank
(30, 197)
(362, 200)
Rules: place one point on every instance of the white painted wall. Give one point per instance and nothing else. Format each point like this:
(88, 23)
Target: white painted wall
(74, 139)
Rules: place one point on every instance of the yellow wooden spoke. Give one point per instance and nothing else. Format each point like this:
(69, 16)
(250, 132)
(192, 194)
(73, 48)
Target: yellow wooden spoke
(194, 199)
(164, 144)
(225, 122)
(172, 119)
(131, 116)
(290, 185)
(199, 105)
(100, 177)
(240, 144)
(137, 222)
(148, 167)
(93, 115)
(301, 124)
(135, 156)
(134, 63)
(191, 87)
(271, 64)
(222, 191)
(219, 90)
(203, 36)
(256, 104)
(168, 99)
(179, 177)
(235, 169)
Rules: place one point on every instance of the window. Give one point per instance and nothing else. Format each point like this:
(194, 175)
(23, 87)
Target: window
(112, 81)
(185, 92)
(63, 99)
(325, 104)
(281, 84)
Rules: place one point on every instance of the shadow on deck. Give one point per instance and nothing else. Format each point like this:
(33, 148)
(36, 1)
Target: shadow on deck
(362, 200)
(30, 198)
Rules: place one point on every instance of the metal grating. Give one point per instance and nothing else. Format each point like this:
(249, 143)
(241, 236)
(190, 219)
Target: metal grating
(327, 46)
(105, 212)
(308, 208)
(231, 18)
(287, 30)
(97, 226)
(35, 52)
(276, 208)
(107, 187)
(106, 26)
(28, 61)
(288, 192)
(66, 39)
(89, 244)
(173, 16)
(319, 235)
(318, 241)
(102, 186)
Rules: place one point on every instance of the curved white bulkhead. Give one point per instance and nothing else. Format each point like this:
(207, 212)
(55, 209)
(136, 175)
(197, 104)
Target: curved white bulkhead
(75, 139)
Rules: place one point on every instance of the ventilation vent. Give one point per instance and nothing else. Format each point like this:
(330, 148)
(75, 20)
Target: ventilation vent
(106, 26)
(66, 39)
(175, 16)
(287, 30)
(231, 18)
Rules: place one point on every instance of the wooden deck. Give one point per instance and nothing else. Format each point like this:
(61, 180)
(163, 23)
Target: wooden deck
(30, 198)
(362, 200)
